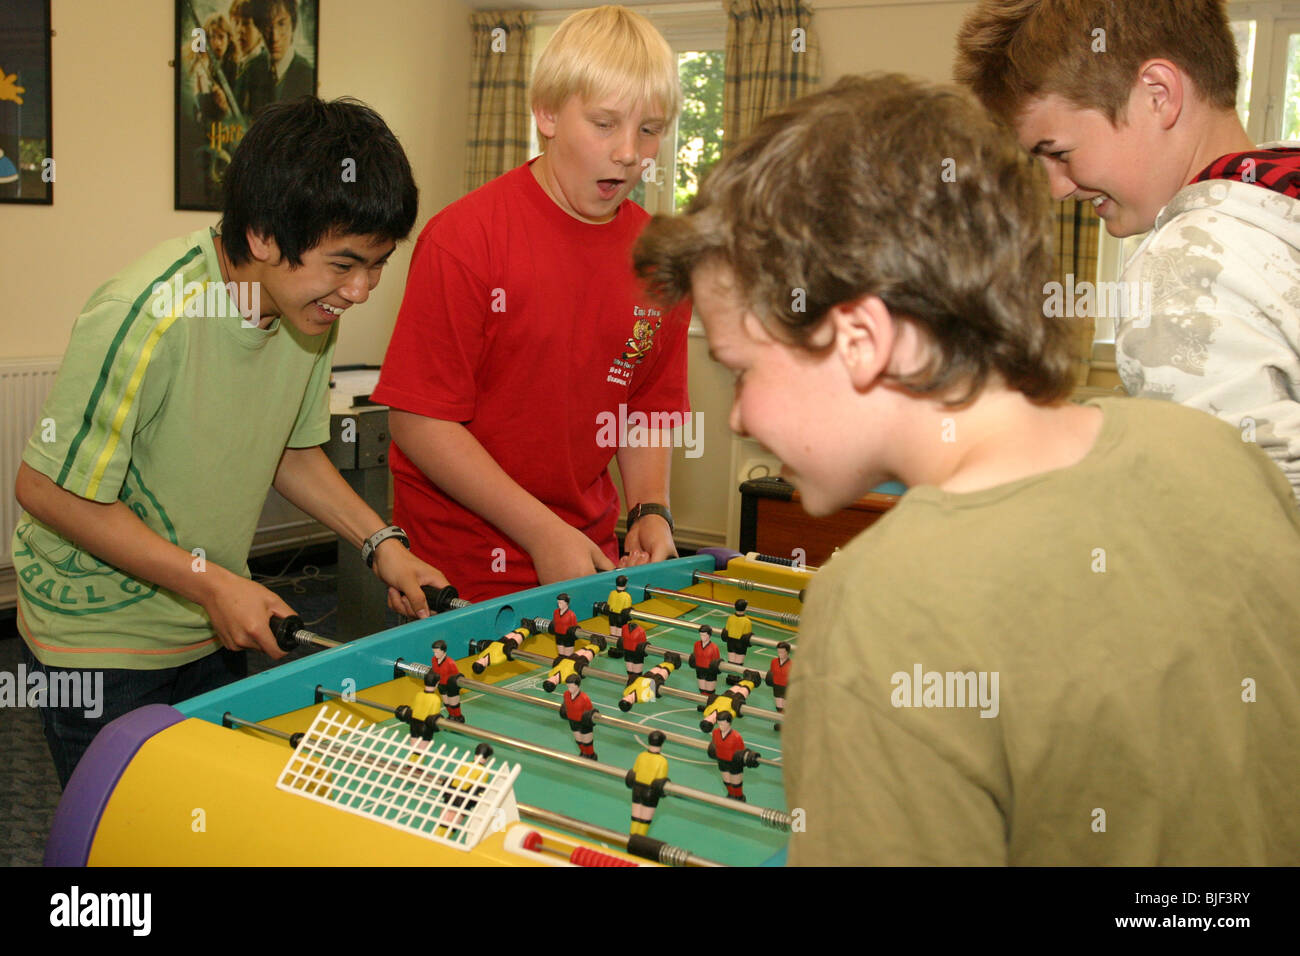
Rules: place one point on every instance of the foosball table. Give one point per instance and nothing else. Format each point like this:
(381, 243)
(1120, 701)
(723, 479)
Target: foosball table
(379, 751)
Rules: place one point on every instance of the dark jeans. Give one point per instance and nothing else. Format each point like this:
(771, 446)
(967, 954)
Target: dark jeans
(68, 730)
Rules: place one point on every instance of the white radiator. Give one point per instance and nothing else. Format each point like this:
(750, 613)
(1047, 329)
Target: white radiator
(24, 384)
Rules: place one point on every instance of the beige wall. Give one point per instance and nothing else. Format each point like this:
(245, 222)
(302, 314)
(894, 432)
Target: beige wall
(410, 60)
(916, 37)
(113, 145)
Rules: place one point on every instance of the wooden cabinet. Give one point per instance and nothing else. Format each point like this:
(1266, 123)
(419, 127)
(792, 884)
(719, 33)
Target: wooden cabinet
(772, 521)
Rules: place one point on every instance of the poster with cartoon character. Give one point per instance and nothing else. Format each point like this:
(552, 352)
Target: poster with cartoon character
(26, 154)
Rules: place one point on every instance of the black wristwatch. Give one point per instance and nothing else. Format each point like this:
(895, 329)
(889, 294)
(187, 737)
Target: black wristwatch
(639, 511)
(378, 538)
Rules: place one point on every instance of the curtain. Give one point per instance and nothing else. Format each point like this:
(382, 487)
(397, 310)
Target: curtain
(768, 63)
(1077, 233)
(499, 117)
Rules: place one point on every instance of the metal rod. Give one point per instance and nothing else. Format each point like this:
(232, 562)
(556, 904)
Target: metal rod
(230, 720)
(744, 584)
(772, 817)
(781, 617)
(664, 689)
(597, 716)
(784, 562)
(694, 627)
(668, 854)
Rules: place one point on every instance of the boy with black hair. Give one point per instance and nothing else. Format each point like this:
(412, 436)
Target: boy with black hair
(1132, 106)
(1070, 641)
(196, 379)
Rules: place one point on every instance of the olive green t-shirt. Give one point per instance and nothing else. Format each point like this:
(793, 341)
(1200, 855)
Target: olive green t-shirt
(1095, 665)
(177, 407)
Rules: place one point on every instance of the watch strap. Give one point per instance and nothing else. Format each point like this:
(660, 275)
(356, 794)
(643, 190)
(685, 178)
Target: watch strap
(378, 538)
(649, 508)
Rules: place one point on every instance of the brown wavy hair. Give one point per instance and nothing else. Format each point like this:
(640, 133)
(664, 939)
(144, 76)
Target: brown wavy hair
(884, 186)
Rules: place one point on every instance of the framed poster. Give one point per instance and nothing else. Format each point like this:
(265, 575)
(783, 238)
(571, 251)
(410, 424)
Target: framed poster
(233, 57)
(26, 118)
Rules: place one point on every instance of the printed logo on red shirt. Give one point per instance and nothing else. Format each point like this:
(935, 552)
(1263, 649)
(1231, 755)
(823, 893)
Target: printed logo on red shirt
(637, 347)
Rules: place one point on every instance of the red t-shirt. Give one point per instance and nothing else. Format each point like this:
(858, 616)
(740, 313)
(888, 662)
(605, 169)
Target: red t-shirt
(530, 328)
(560, 623)
(779, 672)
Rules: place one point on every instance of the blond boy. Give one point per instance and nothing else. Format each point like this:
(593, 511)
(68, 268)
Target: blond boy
(514, 334)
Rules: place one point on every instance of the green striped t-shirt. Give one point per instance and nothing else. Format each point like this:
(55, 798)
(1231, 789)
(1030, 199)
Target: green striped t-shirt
(173, 405)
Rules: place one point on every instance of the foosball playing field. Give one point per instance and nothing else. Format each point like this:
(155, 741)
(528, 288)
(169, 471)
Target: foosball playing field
(345, 757)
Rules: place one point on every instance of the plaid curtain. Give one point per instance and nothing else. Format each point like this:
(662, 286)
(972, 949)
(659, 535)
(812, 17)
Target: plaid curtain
(1077, 233)
(498, 94)
(768, 64)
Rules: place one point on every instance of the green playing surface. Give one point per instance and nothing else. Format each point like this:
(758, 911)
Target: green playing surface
(707, 831)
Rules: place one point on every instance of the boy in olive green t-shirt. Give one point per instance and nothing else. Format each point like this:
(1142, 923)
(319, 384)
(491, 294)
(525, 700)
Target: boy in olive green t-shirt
(1071, 641)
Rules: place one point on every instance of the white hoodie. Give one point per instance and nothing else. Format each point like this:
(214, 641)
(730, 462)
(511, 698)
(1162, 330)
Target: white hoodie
(1223, 330)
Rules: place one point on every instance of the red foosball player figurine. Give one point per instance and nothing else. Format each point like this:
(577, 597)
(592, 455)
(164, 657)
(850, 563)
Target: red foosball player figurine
(619, 602)
(728, 749)
(647, 778)
(448, 680)
(737, 632)
(564, 625)
(778, 677)
(729, 703)
(631, 647)
(577, 709)
(498, 652)
(562, 667)
(704, 658)
(645, 688)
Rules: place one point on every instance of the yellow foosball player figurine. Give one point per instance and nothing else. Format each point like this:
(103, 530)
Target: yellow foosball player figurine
(425, 704)
(562, 667)
(645, 688)
(620, 603)
(737, 632)
(647, 778)
(731, 702)
(498, 652)
(466, 780)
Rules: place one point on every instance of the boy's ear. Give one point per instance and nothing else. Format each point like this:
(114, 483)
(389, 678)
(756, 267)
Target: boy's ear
(865, 336)
(263, 248)
(1161, 91)
(546, 122)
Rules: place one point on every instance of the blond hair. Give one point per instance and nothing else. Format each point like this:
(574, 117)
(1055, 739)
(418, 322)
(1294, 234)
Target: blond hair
(602, 52)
